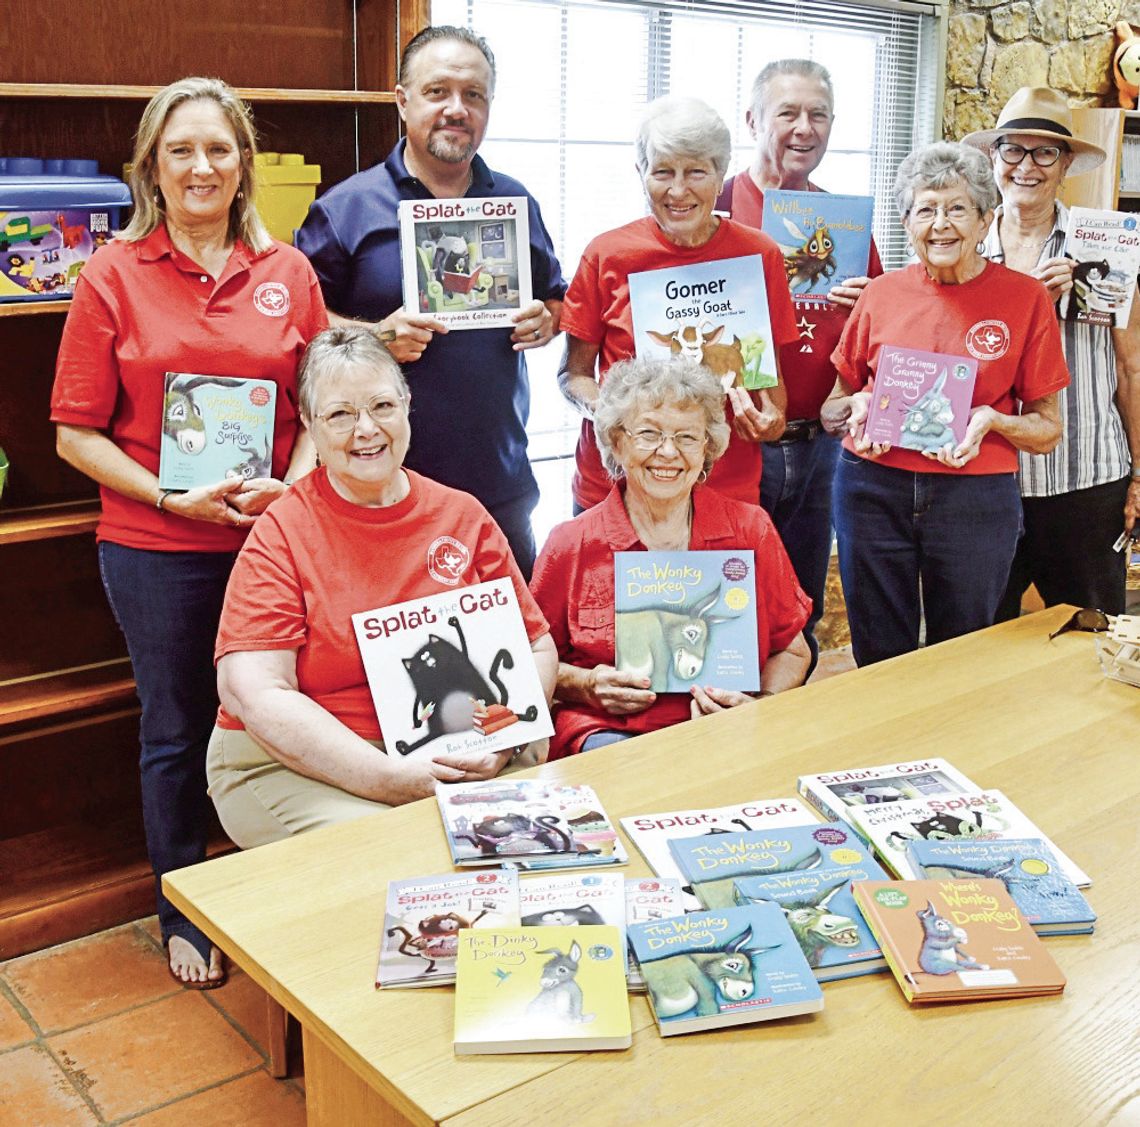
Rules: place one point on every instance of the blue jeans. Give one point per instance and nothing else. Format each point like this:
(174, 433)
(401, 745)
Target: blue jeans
(914, 545)
(167, 605)
(795, 491)
(604, 739)
(513, 518)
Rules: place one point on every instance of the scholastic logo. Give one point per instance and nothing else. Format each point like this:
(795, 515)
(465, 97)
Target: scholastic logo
(988, 340)
(272, 299)
(447, 560)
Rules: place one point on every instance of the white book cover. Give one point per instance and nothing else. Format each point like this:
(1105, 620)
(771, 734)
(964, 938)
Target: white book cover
(648, 899)
(573, 900)
(1106, 248)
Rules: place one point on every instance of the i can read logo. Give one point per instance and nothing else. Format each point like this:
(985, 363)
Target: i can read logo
(447, 560)
(272, 299)
(988, 340)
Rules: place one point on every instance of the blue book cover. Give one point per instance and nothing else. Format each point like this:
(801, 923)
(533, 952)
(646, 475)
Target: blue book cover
(1026, 866)
(823, 916)
(685, 618)
(712, 313)
(705, 970)
(824, 238)
(713, 863)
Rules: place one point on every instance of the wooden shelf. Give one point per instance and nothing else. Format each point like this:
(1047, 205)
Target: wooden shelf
(54, 695)
(144, 93)
(46, 522)
(29, 308)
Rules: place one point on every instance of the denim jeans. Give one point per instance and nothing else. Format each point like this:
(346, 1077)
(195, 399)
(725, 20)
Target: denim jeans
(795, 491)
(513, 518)
(914, 545)
(167, 605)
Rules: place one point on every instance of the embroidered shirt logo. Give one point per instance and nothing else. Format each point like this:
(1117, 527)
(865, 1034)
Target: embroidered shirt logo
(447, 560)
(272, 299)
(988, 340)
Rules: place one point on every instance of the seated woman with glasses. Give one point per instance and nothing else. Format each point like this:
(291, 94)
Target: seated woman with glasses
(660, 427)
(928, 529)
(297, 745)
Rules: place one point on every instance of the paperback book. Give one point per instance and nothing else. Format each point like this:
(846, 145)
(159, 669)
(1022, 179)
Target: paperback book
(957, 940)
(709, 970)
(466, 262)
(453, 672)
(423, 917)
(1051, 903)
(1106, 248)
(711, 313)
(573, 900)
(213, 428)
(541, 990)
(685, 618)
(648, 899)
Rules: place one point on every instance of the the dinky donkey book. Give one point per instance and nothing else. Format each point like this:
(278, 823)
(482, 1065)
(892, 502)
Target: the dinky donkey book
(541, 990)
(453, 672)
(687, 618)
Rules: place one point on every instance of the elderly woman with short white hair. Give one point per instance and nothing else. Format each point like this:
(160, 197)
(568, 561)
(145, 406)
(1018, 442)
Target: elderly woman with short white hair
(682, 153)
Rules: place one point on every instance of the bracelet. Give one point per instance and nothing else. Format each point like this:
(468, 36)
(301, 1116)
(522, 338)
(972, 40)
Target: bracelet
(160, 504)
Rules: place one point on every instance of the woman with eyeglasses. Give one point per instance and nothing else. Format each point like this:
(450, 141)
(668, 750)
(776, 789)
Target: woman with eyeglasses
(1078, 498)
(660, 429)
(297, 745)
(928, 532)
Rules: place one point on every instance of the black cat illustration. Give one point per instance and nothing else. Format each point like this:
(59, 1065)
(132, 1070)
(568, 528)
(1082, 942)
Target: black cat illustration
(448, 686)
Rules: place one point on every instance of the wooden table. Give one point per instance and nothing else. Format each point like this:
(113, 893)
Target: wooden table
(1009, 707)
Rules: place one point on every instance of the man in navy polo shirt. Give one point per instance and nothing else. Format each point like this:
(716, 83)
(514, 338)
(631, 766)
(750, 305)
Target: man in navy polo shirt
(470, 390)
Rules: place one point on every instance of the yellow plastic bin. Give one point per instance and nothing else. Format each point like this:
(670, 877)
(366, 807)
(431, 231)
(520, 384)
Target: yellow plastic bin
(286, 185)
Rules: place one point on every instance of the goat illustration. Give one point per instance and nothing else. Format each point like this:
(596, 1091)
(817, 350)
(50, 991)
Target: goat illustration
(559, 997)
(725, 361)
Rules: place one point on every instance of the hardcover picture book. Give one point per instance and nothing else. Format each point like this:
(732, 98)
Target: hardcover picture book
(527, 824)
(824, 238)
(213, 428)
(1026, 866)
(957, 940)
(423, 917)
(712, 313)
(572, 900)
(1106, 248)
(685, 618)
(708, 970)
(541, 990)
(648, 899)
(920, 400)
(453, 672)
(466, 262)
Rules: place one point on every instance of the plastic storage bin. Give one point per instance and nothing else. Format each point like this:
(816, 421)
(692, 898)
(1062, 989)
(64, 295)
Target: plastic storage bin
(286, 185)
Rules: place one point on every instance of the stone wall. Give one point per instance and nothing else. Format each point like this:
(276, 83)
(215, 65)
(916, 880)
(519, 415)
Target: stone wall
(994, 47)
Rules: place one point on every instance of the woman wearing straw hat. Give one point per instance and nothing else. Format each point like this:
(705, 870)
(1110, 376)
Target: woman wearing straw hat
(1078, 498)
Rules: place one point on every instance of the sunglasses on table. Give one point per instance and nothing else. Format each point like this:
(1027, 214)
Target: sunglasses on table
(1087, 619)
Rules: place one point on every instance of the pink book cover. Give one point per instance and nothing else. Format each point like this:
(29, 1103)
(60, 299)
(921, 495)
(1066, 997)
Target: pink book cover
(920, 400)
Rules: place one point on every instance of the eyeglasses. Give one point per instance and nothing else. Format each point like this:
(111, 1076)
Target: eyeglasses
(343, 417)
(956, 213)
(648, 440)
(1093, 621)
(1044, 156)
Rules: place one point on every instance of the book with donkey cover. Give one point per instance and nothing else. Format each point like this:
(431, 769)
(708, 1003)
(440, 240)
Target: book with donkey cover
(647, 899)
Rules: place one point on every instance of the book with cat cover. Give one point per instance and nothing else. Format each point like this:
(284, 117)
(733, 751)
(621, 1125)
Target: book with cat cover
(825, 238)
(920, 400)
(466, 262)
(823, 916)
(1026, 866)
(687, 618)
(541, 990)
(712, 864)
(651, 833)
(984, 815)
(956, 940)
(423, 917)
(1106, 248)
(573, 899)
(213, 428)
(712, 969)
(712, 313)
(527, 824)
(647, 899)
(436, 664)
(834, 793)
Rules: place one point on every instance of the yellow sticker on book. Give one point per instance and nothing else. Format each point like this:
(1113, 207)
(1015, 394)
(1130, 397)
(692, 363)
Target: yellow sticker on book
(736, 598)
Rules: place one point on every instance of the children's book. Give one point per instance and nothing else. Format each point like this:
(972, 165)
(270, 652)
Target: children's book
(686, 618)
(527, 824)
(825, 238)
(823, 916)
(574, 899)
(1026, 866)
(1106, 248)
(707, 970)
(920, 400)
(834, 794)
(423, 917)
(651, 833)
(957, 940)
(466, 262)
(438, 664)
(213, 428)
(984, 815)
(711, 313)
(541, 990)
(711, 864)
(648, 899)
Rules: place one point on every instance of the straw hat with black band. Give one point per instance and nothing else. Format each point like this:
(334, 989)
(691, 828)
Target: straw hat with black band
(1037, 111)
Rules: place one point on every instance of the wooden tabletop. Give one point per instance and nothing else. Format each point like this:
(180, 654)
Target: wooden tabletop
(1007, 706)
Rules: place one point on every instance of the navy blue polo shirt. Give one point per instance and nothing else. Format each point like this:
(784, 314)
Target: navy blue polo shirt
(470, 390)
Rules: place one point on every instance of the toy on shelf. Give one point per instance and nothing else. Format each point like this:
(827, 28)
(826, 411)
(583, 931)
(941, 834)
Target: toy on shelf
(286, 185)
(1126, 65)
